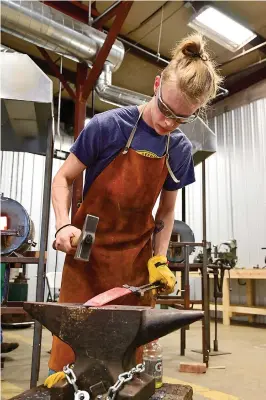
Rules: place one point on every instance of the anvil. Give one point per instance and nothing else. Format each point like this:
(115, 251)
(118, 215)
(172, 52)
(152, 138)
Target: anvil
(105, 340)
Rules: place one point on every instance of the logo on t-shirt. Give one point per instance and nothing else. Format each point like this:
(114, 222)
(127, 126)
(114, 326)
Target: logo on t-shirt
(147, 153)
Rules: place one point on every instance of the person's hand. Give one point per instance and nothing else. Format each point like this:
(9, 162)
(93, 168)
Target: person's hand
(159, 271)
(64, 238)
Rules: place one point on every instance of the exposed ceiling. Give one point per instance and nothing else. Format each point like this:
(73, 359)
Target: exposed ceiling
(143, 25)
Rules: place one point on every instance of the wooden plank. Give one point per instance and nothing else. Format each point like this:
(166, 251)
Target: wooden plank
(248, 273)
(236, 309)
(250, 296)
(226, 301)
(248, 310)
(199, 307)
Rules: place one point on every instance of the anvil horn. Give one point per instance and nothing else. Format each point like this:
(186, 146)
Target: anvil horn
(158, 323)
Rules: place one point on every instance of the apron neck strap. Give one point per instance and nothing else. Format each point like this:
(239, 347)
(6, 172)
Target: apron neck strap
(131, 136)
(133, 132)
(167, 160)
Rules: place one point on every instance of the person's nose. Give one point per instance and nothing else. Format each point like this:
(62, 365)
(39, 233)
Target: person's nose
(170, 123)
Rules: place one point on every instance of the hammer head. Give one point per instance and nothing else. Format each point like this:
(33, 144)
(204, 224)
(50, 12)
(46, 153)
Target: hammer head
(86, 238)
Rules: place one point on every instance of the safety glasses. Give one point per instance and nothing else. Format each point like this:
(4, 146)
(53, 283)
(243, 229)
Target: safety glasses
(168, 113)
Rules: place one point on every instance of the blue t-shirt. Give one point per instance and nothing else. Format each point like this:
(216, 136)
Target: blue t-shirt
(107, 133)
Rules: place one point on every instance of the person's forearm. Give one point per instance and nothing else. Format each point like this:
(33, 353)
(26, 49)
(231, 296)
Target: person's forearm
(162, 238)
(61, 198)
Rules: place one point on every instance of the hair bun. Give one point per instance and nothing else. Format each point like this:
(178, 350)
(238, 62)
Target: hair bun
(191, 49)
(198, 80)
(192, 46)
(187, 52)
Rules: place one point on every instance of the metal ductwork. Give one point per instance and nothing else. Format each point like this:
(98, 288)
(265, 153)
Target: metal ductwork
(115, 95)
(42, 25)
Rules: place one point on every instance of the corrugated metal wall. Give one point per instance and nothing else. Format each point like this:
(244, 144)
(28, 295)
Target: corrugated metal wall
(236, 192)
(236, 184)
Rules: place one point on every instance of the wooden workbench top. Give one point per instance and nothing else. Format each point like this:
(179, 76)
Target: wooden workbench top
(252, 273)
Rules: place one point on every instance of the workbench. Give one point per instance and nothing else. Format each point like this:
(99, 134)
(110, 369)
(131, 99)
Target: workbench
(228, 309)
(249, 309)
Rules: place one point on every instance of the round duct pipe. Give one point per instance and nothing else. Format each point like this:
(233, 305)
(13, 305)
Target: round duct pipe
(48, 28)
(116, 95)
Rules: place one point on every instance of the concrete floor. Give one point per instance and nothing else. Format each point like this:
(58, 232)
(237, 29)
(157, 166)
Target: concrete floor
(242, 375)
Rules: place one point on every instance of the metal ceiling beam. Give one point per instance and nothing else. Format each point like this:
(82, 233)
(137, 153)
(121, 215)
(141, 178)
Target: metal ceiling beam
(144, 52)
(96, 70)
(258, 47)
(106, 15)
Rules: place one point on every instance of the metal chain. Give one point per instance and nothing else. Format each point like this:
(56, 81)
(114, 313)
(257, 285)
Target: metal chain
(122, 379)
(71, 378)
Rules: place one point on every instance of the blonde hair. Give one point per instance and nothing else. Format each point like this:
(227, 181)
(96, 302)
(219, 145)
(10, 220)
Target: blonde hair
(194, 71)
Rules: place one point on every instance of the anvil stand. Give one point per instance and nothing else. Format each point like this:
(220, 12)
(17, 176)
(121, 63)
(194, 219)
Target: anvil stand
(105, 340)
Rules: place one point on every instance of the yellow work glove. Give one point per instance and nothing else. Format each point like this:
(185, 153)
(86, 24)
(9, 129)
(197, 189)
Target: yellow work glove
(159, 271)
(51, 380)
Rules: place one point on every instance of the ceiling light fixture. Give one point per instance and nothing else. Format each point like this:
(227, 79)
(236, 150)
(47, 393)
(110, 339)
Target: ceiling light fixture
(221, 28)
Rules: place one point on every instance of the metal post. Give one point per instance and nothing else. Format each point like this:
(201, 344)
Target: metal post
(184, 204)
(205, 296)
(183, 279)
(215, 283)
(80, 116)
(37, 336)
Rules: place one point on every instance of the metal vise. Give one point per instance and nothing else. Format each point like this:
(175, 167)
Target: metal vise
(105, 340)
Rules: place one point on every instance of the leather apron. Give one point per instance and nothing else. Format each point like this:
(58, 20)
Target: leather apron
(123, 197)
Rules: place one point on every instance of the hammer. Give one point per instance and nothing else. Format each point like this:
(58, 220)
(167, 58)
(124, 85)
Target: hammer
(85, 241)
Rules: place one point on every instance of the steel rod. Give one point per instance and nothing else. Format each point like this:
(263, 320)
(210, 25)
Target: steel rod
(106, 12)
(37, 336)
(259, 46)
(80, 116)
(205, 297)
(184, 204)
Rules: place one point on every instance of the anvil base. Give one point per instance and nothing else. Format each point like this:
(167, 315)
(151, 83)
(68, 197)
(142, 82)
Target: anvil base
(166, 392)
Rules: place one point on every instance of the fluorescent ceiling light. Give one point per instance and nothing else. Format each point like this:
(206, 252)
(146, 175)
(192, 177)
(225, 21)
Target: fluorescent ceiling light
(221, 28)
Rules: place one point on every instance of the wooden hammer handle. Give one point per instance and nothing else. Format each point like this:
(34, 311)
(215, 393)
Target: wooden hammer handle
(74, 242)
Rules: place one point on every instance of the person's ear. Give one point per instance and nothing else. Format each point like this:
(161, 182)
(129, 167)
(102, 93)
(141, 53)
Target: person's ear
(156, 83)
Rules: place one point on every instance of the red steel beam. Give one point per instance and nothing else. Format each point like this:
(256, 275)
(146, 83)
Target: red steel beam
(80, 116)
(56, 71)
(94, 74)
(72, 9)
